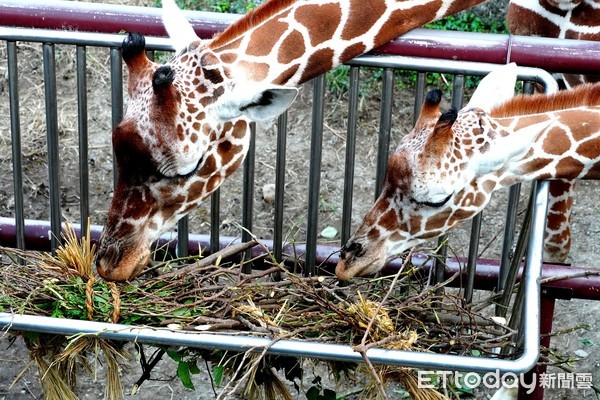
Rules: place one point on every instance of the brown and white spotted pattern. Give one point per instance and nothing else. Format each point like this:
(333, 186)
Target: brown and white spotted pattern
(187, 124)
(446, 169)
(566, 19)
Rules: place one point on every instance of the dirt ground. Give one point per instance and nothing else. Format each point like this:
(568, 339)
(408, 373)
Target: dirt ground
(13, 357)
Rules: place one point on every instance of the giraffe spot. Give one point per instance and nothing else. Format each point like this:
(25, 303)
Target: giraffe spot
(353, 51)
(208, 59)
(255, 71)
(403, 20)
(359, 22)
(286, 75)
(569, 168)
(389, 220)
(186, 148)
(192, 109)
(180, 135)
(480, 200)
(213, 183)
(201, 88)
(589, 149)
(323, 58)
(264, 37)
(414, 222)
(213, 75)
(557, 142)
(233, 167)
(535, 165)
(196, 127)
(209, 166)
(230, 154)
(373, 233)
(292, 48)
(321, 21)
(434, 223)
(460, 214)
(196, 190)
(488, 185)
(228, 58)
(479, 140)
(239, 129)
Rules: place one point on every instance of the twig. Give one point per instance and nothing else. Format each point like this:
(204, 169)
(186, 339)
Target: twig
(147, 367)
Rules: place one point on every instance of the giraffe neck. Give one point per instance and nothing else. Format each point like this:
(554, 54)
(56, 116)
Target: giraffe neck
(289, 41)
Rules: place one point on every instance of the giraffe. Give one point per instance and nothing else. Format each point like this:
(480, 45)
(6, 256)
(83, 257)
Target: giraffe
(445, 170)
(565, 19)
(186, 127)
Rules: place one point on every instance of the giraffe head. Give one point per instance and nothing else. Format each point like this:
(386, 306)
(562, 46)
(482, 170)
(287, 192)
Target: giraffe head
(186, 128)
(441, 173)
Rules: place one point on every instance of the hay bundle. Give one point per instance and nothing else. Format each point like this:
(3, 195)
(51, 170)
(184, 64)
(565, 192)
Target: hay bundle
(398, 314)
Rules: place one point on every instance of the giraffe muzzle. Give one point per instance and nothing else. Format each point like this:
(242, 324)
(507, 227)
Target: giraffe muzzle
(115, 264)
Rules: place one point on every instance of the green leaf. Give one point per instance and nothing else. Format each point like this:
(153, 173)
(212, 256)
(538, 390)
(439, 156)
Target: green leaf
(218, 374)
(329, 394)
(194, 370)
(183, 372)
(587, 342)
(475, 353)
(175, 356)
(312, 393)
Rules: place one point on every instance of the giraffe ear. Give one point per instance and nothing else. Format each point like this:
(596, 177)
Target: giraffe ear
(495, 88)
(510, 147)
(178, 27)
(257, 103)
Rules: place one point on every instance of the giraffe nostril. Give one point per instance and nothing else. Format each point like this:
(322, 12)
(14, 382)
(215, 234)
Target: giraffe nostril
(355, 248)
(108, 256)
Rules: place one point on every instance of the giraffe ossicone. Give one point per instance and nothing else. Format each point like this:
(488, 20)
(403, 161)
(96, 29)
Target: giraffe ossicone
(471, 154)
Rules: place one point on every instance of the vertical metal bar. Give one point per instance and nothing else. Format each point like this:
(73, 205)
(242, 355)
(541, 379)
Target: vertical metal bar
(52, 141)
(116, 95)
(546, 316)
(82, 120)
(279, 186)
(15, 131)
(458, 84)
(419, 95)
(350, 154)
(514, 193)
(183, 237)
(385, 127)
(215, 213)
(314, 179)
(511, 223)
(472, 260)
(248, 194)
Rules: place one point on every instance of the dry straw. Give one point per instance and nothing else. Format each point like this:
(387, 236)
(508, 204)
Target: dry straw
(402, 313)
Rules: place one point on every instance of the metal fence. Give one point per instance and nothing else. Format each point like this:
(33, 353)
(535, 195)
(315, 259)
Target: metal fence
(18, 232)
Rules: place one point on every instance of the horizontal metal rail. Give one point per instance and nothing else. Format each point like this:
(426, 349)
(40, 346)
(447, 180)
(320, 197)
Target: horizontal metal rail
(556, 55)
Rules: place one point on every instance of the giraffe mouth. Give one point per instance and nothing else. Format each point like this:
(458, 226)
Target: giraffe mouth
(114, 265)
(347, 269)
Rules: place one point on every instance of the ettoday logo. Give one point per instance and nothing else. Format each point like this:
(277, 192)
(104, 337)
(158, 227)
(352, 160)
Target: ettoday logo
(496, 380)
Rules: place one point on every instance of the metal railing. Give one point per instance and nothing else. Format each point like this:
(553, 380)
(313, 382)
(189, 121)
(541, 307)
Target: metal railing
(83, 40)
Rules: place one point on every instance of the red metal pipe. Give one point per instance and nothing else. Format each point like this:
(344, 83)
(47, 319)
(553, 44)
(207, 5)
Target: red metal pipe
(575, 56)
(575, 285)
